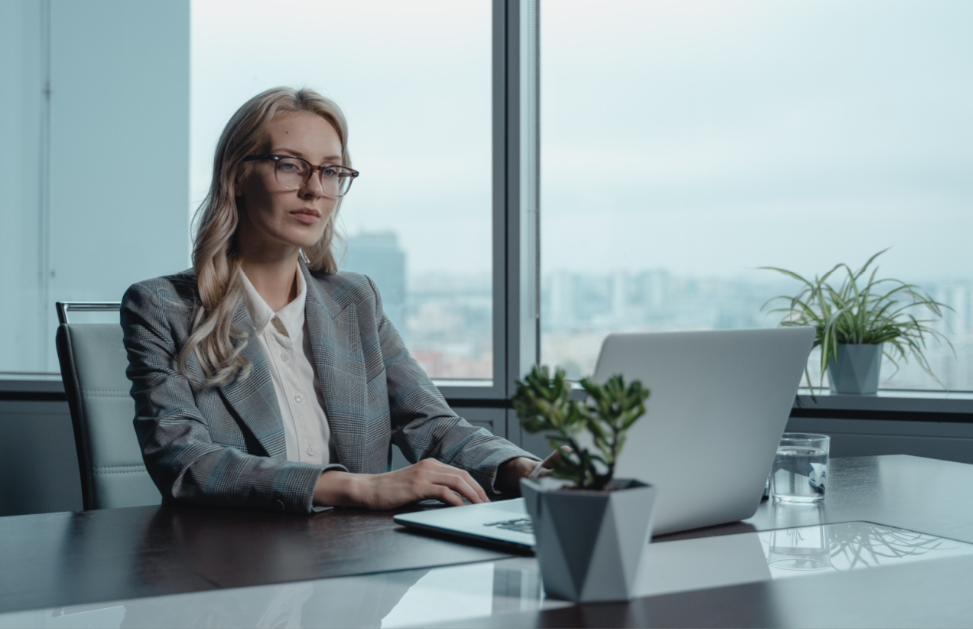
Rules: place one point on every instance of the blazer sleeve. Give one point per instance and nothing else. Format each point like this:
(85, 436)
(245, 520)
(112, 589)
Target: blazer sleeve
(423, 425)
(174, 433)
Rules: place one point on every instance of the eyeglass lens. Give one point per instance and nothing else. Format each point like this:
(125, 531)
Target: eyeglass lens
(292, 173)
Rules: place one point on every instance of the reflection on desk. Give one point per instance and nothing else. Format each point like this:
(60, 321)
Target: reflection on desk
(851, 546)
(492, 588)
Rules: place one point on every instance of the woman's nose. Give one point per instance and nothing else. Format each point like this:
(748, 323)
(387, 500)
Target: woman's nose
(313, 188)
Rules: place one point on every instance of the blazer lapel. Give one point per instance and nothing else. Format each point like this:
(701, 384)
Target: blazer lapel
(253, 398)
(340, 365)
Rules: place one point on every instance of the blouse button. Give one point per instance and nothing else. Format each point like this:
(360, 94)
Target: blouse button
(310, 450)
(298, 398)
(285, 356)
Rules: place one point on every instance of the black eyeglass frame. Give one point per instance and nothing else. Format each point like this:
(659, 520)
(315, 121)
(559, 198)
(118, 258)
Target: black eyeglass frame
(344, 171)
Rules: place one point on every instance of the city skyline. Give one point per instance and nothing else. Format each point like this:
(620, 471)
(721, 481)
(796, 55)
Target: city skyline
(448, 317)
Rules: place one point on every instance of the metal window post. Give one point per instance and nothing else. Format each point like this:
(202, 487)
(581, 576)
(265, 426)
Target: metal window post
(522, 193)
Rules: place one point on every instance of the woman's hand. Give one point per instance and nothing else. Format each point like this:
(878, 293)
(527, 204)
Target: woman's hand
(427, 479)
(510, 473)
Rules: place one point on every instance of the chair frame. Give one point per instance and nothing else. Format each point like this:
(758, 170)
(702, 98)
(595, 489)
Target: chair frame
(72, 388)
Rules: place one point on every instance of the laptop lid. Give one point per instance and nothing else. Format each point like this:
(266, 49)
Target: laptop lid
(719, 403)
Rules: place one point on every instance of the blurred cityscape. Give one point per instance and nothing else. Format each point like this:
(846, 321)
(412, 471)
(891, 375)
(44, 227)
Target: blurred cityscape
(578, 311)
(446, 318)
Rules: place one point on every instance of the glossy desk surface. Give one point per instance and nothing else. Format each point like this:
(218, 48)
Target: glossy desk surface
(163, 566)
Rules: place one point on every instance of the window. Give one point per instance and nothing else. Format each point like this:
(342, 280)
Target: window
(685, 144)
(414, 80)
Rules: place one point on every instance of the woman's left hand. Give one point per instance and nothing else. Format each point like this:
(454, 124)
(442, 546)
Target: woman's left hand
(510, 473)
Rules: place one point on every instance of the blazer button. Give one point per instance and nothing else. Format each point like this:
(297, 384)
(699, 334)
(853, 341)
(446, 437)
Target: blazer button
(279, 505)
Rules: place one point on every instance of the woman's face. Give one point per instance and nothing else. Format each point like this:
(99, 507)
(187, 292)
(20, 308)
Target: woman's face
(272, 217)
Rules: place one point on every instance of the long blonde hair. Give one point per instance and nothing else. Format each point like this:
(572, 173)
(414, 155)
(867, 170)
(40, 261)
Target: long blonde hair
(215, 256)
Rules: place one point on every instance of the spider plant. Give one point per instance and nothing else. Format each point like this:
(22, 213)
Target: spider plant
(863, 310)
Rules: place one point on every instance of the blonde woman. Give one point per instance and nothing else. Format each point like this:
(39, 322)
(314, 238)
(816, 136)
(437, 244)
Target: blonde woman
(264, 377)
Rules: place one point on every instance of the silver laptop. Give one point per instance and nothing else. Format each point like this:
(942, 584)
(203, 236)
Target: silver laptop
(718, 406)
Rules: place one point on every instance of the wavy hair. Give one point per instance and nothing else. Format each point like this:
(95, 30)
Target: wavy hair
(216, 342)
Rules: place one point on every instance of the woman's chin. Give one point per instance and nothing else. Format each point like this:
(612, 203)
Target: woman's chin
(304, 238)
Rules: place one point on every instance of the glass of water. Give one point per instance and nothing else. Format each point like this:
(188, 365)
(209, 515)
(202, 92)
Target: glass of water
(800, 470)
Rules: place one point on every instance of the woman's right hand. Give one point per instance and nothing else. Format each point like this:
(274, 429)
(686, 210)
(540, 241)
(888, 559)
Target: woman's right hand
(427, 479)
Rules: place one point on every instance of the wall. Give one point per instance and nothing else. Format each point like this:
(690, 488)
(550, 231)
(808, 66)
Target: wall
(867, 437)
(23, 130)
(94, 177)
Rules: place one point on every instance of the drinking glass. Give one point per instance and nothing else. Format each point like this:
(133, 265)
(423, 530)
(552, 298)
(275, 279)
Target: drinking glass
(800, 470)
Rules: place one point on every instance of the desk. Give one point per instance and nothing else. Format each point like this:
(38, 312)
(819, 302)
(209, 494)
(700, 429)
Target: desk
(166, 566)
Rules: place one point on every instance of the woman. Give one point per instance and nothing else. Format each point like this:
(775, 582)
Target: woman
(265, 378)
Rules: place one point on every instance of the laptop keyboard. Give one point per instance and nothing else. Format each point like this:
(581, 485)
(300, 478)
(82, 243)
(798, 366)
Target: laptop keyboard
(521, 525)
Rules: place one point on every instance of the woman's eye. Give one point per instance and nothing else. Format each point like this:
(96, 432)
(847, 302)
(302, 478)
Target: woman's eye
(329, 172)
(287, 166)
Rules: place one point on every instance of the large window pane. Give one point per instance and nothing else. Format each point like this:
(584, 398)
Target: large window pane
(414, 81)
(687, 142)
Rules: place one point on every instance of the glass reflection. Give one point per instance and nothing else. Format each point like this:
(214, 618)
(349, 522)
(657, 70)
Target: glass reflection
(851, 546)
(471, 591)
(805, 548)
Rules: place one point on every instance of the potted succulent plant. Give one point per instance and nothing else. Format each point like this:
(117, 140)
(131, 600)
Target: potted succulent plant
(591, 528)
(861, 320)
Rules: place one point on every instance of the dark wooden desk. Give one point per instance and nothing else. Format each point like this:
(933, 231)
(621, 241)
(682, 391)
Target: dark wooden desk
(59, 559)
(78, 558)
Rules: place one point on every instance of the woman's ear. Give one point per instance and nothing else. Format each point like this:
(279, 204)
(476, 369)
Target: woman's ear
(242, 172)
(236, 187)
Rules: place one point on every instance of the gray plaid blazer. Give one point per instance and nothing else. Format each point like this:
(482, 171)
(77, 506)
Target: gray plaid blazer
(225, 445)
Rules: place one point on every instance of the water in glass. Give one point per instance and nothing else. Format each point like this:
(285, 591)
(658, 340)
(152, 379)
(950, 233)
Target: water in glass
(799, 475)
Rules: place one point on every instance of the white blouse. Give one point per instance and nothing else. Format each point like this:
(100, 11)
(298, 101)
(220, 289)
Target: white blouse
(284, 339)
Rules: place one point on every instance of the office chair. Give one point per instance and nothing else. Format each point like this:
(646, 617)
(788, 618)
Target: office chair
(93, 362)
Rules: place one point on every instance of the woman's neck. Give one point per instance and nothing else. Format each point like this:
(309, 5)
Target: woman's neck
(274, 279)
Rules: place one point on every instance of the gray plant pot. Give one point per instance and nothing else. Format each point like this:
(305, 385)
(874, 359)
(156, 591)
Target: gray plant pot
(857, 369)
(590, 543)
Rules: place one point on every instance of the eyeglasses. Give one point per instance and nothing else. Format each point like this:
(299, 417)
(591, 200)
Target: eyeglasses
(293, 173)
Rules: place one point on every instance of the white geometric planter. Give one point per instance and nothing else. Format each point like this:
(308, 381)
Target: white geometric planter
(857, 369)
(590, 543)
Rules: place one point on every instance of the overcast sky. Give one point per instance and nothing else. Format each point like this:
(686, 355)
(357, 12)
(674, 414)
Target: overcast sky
(706, 137)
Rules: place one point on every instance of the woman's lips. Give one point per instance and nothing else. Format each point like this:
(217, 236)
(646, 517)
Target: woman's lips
(308, 216)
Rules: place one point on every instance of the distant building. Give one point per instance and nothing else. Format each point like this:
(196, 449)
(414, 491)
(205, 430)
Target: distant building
(560, 309)
(957, 320)
(378, 255)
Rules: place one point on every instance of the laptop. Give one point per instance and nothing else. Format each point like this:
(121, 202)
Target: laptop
(719, 403)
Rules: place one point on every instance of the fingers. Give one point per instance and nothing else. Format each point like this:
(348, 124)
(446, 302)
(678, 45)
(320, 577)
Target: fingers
(456, 483)
(427, 479)
(445, 494)
(539, 471)
(455, 479)
(559, 454)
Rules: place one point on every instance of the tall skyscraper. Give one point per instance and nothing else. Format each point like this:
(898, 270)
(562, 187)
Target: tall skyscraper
(378, 255)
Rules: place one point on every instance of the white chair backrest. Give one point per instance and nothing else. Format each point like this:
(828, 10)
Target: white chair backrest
(93, 363)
